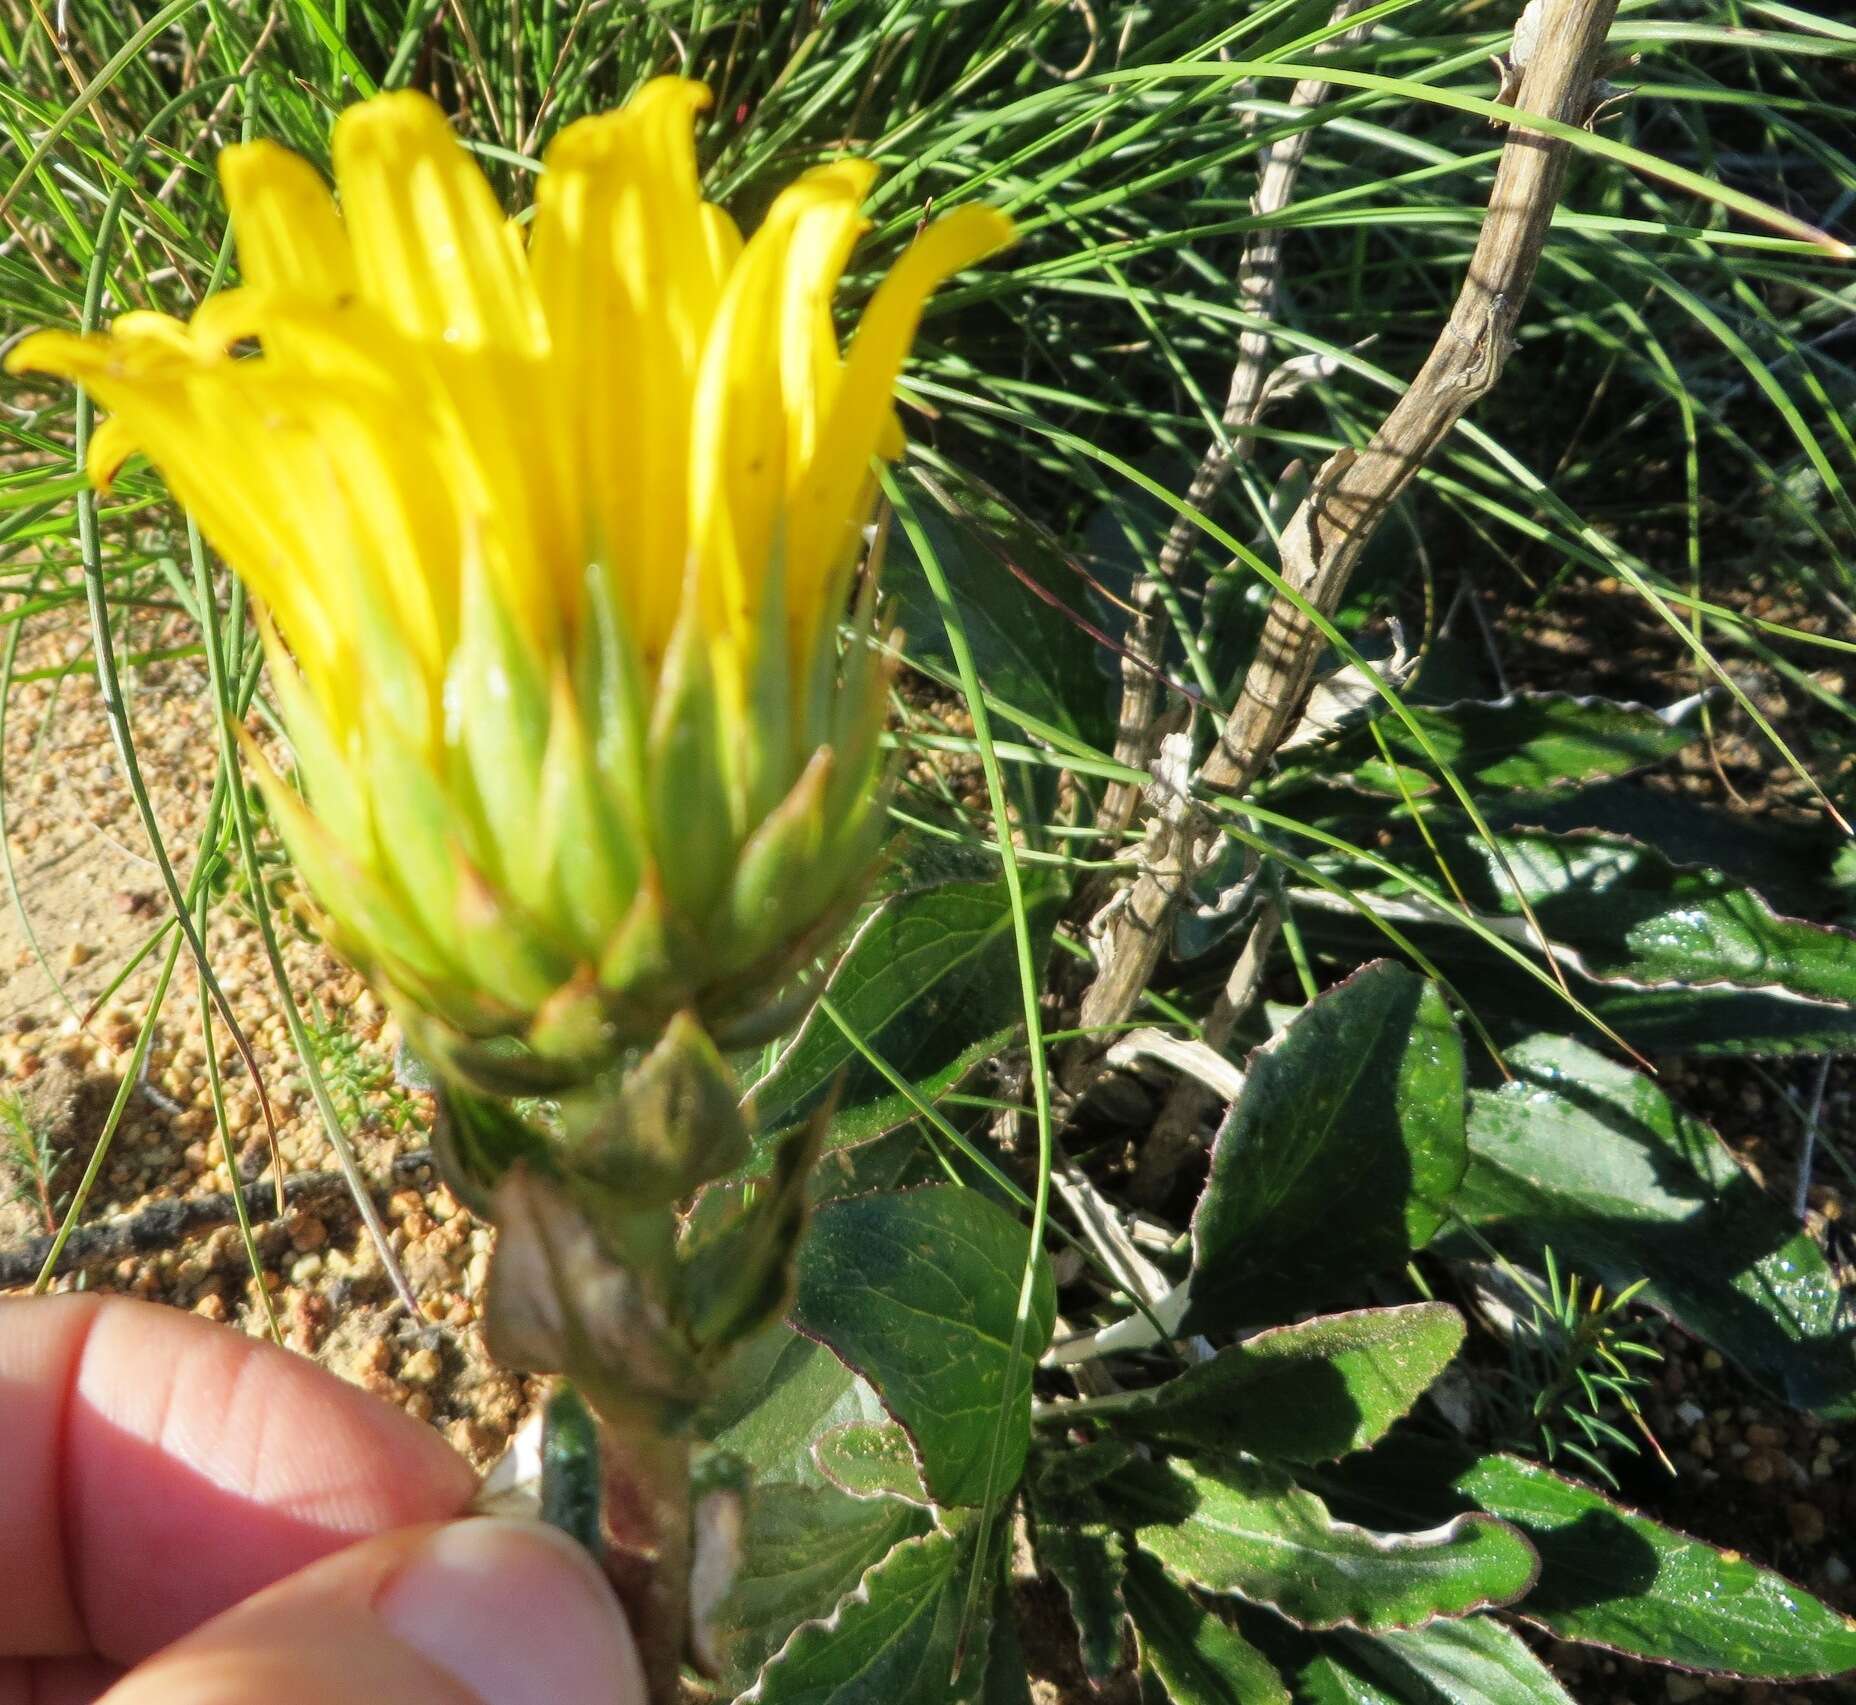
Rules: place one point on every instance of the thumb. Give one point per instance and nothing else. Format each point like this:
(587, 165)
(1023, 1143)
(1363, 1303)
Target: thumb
(479, 1612)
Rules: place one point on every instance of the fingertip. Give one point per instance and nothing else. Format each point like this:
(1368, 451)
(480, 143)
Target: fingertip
(201, 1465)
(479, 1612)
(156, 1469)
(517, 1612)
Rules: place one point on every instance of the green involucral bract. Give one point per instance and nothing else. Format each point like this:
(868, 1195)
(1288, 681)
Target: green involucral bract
(577, 875)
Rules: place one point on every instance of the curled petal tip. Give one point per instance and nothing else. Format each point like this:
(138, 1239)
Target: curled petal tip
(110, 446)
(850, 176)
(696, 96)
(60, 355)
(978, 230)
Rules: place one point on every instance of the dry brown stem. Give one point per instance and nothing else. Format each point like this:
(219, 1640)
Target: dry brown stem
(1259, 285)
(168, 1224)
(1173, 1133)
(1352, 493)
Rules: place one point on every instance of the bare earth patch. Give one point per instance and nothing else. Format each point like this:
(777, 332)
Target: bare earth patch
(90, 897)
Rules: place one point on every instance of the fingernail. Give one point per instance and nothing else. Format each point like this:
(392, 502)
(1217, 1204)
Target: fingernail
(515, 1611)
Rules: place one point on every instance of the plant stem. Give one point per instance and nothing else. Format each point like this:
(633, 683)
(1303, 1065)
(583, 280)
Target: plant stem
(645, 1498)
(1259, 285)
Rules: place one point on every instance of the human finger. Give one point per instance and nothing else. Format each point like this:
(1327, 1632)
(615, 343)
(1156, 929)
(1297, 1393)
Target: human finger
(158, 1469)
(478, 1612)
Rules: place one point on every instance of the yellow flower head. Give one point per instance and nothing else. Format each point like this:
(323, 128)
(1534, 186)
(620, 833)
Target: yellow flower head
(552, 539)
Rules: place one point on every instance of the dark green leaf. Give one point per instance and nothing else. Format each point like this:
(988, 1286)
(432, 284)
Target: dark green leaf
(1008, 1674)
(1591, 1158)
(570, 1468)
(783, 1391)
(1073, 1471)
(1022, 608)
(1085, 1557)
(870, 1459)
(804, 1549)
(1472, 1662)
(1790, 863)
(736, 1271)
(895, 1641)
(882, 1163)
(1719, 1020)
(477, 1139)
(1614, 1578)
(1247, 1529)
(919, 1290)
(1330, 1679)
(1339, 1157)
(931, 987)
(1319, 1668)
(1199, 1659)
(1528, 740)
(1302, 1393)
(666, 1126)
(1655, 921)
(1675, 959)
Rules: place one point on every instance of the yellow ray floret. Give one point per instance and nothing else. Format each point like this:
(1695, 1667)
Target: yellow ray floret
(637, 387)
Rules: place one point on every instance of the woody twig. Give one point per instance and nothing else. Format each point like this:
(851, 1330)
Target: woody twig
(1351, 495)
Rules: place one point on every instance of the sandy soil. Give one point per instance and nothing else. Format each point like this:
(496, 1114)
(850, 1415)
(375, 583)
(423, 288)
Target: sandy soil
(90, 898)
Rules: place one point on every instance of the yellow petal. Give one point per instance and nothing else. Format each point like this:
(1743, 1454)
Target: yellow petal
(335, 788)
(183, 427)
(629, 264)
(387, 507)
(284, 220)
(366, 454)
(823, 236)
(428, 238)
(770, 362)
(722, 244)
(260, 458)
(95, 356)
(58, 355)
(111, 444)
(434, 255)
(228, 318)
(271, 521)
(144, 332)
(828, 508)
(349, 343)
